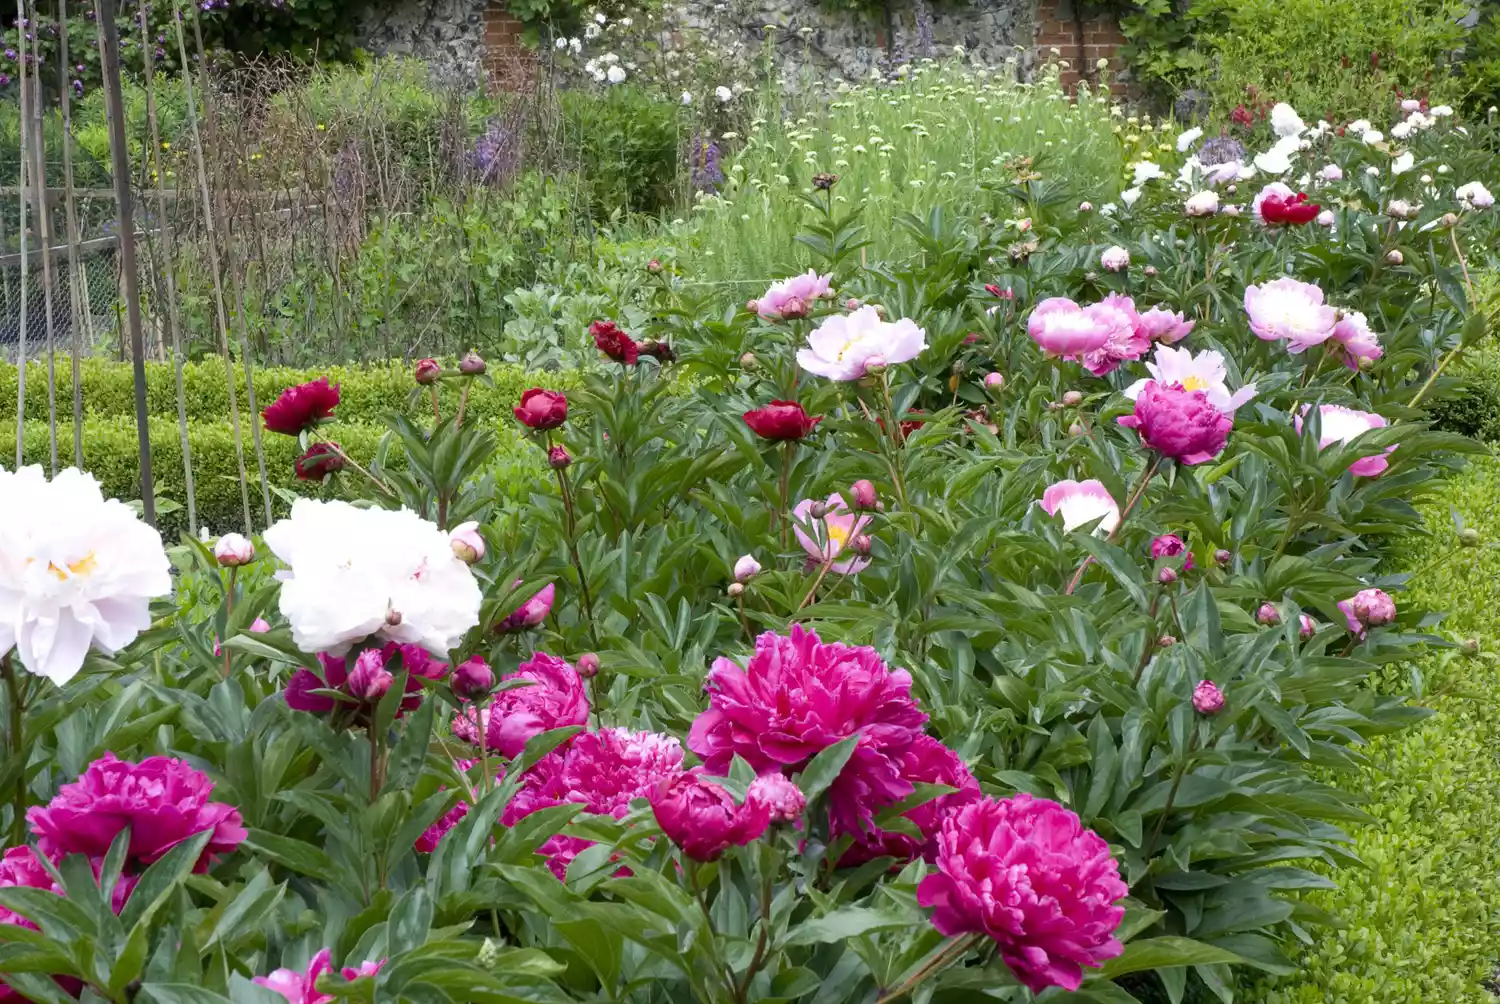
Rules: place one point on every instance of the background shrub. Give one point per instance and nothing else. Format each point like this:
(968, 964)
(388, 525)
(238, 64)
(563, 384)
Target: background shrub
(628, 145)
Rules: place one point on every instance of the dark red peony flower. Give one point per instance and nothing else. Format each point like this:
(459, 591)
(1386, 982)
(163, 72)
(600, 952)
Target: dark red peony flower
(781, 420)
(615, 343)
(427, 372)
(1293, 209)
(301, 407)
(542, 409)
(320, 459)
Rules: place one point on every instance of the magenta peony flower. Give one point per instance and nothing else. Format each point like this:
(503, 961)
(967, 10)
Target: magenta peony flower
(1208, 699)
(433, 835)
(1344, 425)
(1064, 329)
(925, 761)
(1169, 545)
(824, 539)
(798, 696)
(163, 801)
(301, 988)
(702, 818)
(1025, 872)
(301, 407)
(419, 663)
(370, 679)
(1285, 309)
(782, 800)
(1368, 608)
(531, 613)
(555, 698)
(1127, 339)
(21, 867)
(1178, 423)
(603, 772)
(1268, 615)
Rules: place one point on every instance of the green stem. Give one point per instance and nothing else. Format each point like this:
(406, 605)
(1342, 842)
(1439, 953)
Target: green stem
(1171, 796)
(16, 746)
(956, 949)
(725, 972)
(228, 614)
(893, 428)
(583, 583)
(788, 453)
(1140, 489)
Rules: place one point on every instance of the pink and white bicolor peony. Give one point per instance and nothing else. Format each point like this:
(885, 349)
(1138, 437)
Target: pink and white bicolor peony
(1205, 372)
(1359, 343)
(1114, 259)
(1291, 311)
(825, 539)
(1081, 503)
(354, 573)
(233, 550)
(793, 295)
(76, 571)
(846, 345)
(1064, 329)
(1127, 340)
(1344, 425)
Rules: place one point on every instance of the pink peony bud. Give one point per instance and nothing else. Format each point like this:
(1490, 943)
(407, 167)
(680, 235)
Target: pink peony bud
(370, 679)
(863, 495)
(259, 626)
(1166, 641)
(1394, 257)
(472, 364)
(702, 818)
(1169, 545)
(994, 381)
(1166, 576)
(1072, 399)
(542, 409)
(467, 543)
(736, 590)
(1368, 608)
(1222, 557)
(531, 613)
(558, 458)
(782, 799)
(1114, 259)
(1325, 218)
(472, 679)
(1306, 626)
(875, 365)
(746, 568)
(1268, 615)
(1208, 699)
(852, 304)
(427, 372)
(793, 308)
(861, 544)
(234, 550)
(654, 266)
(1085, 207)
(588, 665)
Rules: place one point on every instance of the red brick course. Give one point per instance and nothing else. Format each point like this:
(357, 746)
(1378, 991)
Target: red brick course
(509, 64)
(1080, 42)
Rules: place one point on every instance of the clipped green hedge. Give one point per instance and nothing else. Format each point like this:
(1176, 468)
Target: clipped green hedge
(1422, 920)
(367, 392)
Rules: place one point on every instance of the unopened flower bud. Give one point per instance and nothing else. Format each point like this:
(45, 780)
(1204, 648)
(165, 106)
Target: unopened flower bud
(875, 365)
(234, 550)
(1449, 220)
(1399, 209)
(654, 266)
(1373, 607)
(1085, 207)
(557, 457)
(472, 364)
(1268, 615)
(1208, 699)
(1072, 398)
(1166, 641)
(736, 590)
(1222, 557)
(746, 568)
(427, 372)
(392, 617)
(794, 308)
(1470, 647)
(749, 362)
(880, 311)
(1306, 626)
(818, 510)
(468, 545)
(825, 181)
(861, 544)
(851, 304)
(753, 306)
(994, 381)
(1075, 430)
(1394, 257)
(472, 679)
(1230, 210)
(1232, 189)
(370, 679)
(1166, 576)
(1468, 537)
(863, 495)
(588, 665)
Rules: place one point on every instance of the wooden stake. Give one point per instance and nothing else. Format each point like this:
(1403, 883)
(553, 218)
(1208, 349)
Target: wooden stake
(38, 155)
(78, 293)
(21, 338)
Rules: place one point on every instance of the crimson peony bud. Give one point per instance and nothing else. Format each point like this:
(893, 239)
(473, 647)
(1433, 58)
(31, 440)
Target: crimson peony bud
(861, 544)
(541, 410)
(427, 372)
(557, 457)
(654, 266)
(862, 493)
(994, 381)
(468, 545)
(588, 665)
(1072, 399)
(320, 460)
(1208, 699)
(472, 364)
(234, 550)
(736, 590)
(370, 679)
(1166, 576)
(781, 421)
(746, 568)
(472, 679)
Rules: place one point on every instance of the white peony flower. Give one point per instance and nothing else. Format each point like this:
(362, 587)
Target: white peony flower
(1285, 121)
(1146, 171)
(687, 97)
(1403, 163)
(845, 346)
(354, 573)
(1188, 138)
(1372, 136)
(1130, 195)
(1440, 111)
(1401, 130)
(1325, 218)
(599, 18)
(615, 74)
(1358, 126)
(1202, 204)
(575, 46)
(724, 94)
(1372, 171)
(1278, 159)
(1474, 196)
(76, 570)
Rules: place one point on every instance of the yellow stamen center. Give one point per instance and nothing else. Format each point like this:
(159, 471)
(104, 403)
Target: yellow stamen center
(838, 536)
(82, 566)
(1195, 382)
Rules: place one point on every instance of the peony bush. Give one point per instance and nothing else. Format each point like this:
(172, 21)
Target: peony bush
(997, 623)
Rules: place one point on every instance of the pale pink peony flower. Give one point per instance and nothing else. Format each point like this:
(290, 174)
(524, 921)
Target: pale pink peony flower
(1180, 424)
(1358, 342)
(1474, 196)
(554, 699)
(1326, 218)
(1344, 425)
(1208, 699)
(301, 987)
(925, 761)
(1204, 203)
(825, 539)
(1114, 259)
(846, 346)
(602, 771)
(1081, 502)
(1162, 325)
(163, 801)
(795, 698)
(796, 292)
(1062, 328)
(1331, 172)
(1368, 608)
(702, 818)
(1025, 872)
(746, 568)
(1285, 309)
(1205, 371)
(1126, 342)
(233, 550)
(783, 801)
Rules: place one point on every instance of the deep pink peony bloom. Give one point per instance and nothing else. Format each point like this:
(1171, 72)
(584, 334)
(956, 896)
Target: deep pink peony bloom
(1368, 608)
(1169, 545)
(925, 761)
(542, 409)
(320, 460)
(824, 539)
(782, 800)
(554, 699)
(603, 772)
(163, 801)
(301, 407)
(1062, 328)
(798, 696)
(1162, 325)
(1127, 339)
(1180, 424)
(702, 817)
(419, 663)
(615, 343)
(531, 613)
(1344, 425)
(1208, 699)
(301, 988)
(1025, 872)
(433, 835)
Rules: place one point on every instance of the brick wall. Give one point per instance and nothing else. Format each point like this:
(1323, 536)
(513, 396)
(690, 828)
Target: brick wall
(1058, 24)
(509, 64)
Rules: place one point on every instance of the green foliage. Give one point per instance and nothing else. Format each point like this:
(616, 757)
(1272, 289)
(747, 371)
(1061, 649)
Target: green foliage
(629, 144)
(1420, 911)
(1475, 410)
(1480, 70)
